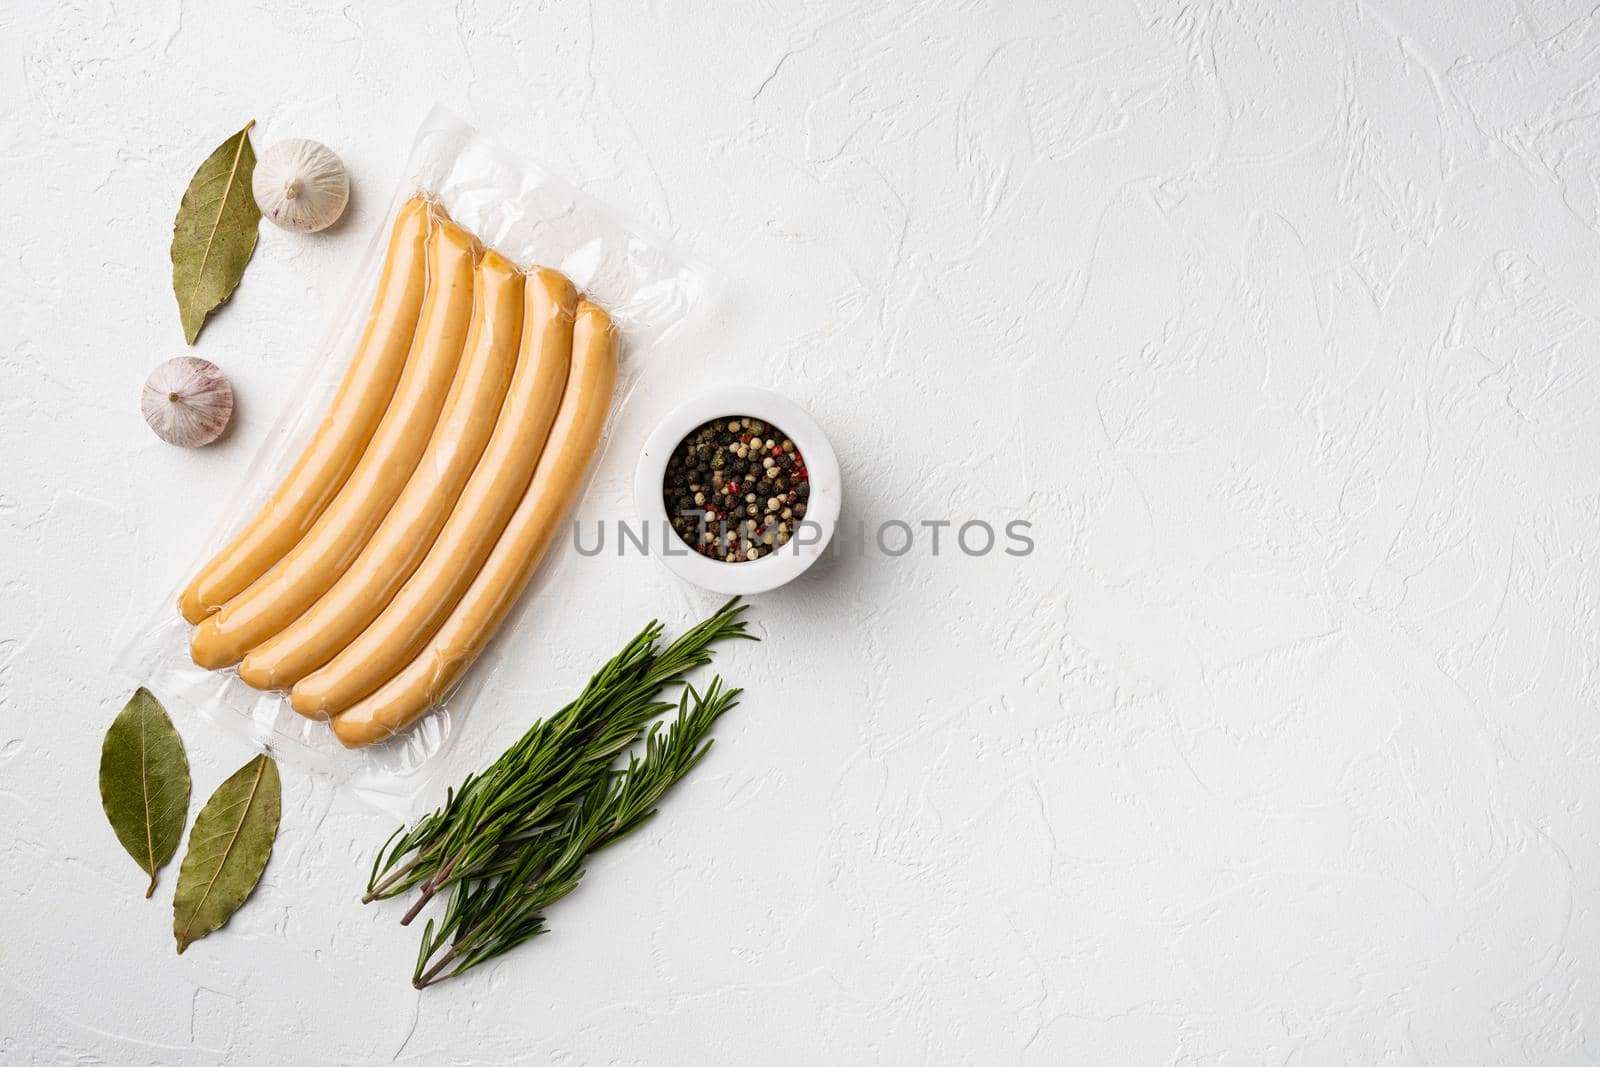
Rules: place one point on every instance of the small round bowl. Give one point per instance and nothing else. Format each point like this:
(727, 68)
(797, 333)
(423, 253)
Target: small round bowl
(822, 507)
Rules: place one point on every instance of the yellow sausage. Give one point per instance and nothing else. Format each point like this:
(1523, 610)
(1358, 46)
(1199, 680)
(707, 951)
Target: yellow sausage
(401, 542)
(337, 444)
(486, 504)
(573, 439)
(278, 597)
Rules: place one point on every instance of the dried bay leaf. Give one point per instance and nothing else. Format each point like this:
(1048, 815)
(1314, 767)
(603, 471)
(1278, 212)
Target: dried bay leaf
(228, 849)
(144, 782)
(215, 232)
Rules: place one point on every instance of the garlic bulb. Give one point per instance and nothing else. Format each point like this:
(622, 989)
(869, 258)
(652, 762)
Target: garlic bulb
(300, 185)
(187, 401)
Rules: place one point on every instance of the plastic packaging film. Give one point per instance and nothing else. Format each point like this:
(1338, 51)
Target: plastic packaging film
(396, 514)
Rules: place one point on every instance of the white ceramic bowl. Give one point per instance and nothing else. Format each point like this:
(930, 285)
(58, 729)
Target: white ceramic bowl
(822, 507)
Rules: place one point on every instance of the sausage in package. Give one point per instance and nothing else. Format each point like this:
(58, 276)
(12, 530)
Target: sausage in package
(391, 523)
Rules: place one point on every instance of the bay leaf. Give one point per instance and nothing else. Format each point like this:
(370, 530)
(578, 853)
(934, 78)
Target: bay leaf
(144, 782)
(215, 232)
(228, 849)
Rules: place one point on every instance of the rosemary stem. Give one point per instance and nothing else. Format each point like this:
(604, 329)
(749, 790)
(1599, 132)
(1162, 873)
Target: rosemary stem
(394, 876)
(428, 976)
(430, 887)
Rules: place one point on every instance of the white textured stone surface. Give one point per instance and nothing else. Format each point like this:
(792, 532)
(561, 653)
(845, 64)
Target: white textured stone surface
(1278, 320)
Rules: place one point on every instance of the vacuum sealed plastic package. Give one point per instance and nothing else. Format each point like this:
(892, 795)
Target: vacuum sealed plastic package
(394, 517)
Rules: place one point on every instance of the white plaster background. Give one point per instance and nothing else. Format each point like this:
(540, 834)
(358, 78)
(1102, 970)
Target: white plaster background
(1279, 322)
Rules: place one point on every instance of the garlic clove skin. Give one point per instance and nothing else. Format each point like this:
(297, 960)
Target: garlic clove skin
(300, 185)
(187, 401)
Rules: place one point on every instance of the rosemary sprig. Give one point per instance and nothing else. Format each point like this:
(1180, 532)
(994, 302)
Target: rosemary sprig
(483, 922)
(558, 758)
(511, 840)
